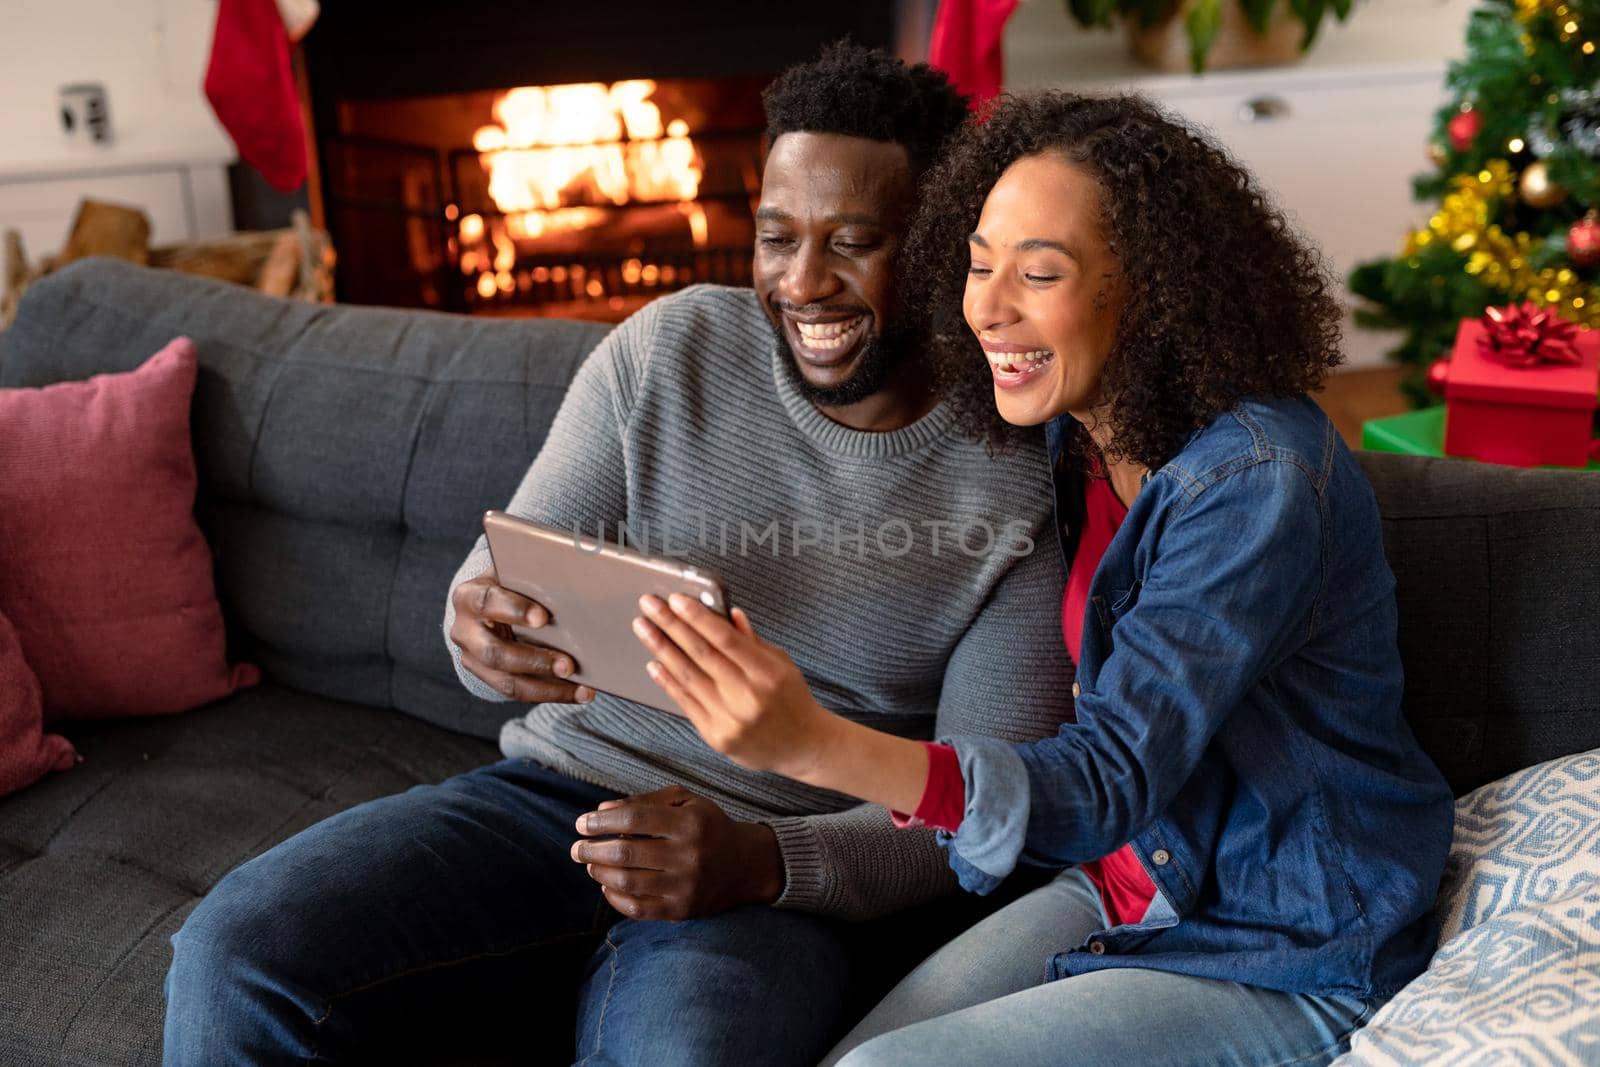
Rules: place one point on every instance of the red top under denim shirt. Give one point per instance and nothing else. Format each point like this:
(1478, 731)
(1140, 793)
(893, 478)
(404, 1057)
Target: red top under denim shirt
(1125, 888)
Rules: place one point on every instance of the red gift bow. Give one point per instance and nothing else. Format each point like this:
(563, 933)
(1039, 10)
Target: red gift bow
(1525, 335)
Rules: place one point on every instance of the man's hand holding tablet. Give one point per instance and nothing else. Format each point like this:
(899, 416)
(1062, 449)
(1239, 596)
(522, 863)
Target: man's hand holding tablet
(485, 613)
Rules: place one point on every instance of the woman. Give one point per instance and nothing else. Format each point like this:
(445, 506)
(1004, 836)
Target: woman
(1249, 836)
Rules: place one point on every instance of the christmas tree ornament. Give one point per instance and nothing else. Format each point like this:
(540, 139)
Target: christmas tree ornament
(1463, 128)
(1583, 241)
(1437, 154)
(1537, 190)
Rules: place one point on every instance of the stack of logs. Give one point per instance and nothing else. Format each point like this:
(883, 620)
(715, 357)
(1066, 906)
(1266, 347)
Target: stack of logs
(296, 263)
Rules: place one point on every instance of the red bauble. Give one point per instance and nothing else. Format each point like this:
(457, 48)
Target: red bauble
(1583, 242)
(1464, 127)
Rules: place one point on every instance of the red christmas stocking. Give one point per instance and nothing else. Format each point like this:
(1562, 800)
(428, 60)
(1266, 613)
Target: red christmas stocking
(966, 44)
(251, 88)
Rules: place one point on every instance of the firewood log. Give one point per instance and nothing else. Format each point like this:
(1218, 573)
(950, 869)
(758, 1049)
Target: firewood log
(15, 277)
(235, 258)
(281, 271)
(103, 229)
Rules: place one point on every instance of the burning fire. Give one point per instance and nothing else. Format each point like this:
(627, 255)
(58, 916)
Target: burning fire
(560, 156)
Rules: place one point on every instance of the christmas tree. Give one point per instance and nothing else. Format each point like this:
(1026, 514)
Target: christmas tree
(1517, 180)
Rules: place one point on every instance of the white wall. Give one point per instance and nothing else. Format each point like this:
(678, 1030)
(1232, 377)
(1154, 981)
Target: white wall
(149, 54)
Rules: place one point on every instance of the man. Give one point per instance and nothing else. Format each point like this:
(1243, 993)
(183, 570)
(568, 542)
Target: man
(788, 439)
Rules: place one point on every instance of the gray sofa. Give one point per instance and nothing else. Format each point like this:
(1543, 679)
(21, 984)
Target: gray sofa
(346, 455)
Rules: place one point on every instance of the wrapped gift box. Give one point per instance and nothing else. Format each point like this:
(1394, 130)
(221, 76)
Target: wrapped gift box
(1540, 414)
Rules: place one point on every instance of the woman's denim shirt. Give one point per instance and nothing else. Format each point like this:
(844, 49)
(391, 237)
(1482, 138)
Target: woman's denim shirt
(1238, 722)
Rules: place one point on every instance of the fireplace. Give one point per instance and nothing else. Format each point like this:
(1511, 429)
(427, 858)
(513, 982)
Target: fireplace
(544, 160)
(581, 200)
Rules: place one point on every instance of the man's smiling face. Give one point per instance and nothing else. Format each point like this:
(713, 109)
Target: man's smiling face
(833, 210)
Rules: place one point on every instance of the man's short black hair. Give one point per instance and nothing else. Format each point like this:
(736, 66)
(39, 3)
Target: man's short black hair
(864, 92)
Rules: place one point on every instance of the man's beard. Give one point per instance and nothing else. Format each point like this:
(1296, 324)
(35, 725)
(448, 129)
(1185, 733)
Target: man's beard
(880, 355)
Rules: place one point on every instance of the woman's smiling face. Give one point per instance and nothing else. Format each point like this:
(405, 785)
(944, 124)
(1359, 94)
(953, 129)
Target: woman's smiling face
(1043, 292)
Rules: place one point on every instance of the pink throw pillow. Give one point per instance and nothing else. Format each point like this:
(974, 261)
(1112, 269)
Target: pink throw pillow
(27, 753)
(103, 570)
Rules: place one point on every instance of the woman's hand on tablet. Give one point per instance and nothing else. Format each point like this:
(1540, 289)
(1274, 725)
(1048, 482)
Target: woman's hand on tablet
(750, 702)
(485, 613)
(744, 695)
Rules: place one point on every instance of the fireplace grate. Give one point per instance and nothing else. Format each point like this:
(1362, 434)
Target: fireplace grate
(399, 209)
(568, 286)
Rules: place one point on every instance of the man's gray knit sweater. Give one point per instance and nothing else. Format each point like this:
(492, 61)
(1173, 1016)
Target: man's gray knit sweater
(862, 555)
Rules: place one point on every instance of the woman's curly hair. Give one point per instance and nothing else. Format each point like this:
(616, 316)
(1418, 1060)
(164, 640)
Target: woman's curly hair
(1224, 300)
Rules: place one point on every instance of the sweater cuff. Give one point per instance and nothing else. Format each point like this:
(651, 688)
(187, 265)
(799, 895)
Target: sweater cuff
(473, 567)
(804, 872)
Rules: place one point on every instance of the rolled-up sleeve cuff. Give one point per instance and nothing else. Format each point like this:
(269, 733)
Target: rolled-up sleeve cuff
(984, 850)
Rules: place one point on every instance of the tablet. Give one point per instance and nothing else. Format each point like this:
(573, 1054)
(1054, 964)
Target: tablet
(591, 589)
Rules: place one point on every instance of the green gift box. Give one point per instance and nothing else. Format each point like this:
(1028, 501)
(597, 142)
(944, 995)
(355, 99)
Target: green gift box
(1416, 433)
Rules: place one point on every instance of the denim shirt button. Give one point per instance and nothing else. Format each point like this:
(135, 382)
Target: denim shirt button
(1077, 690)
(1160, 857)
(1097, 947)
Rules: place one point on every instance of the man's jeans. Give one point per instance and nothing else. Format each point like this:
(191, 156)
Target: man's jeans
(449, 922)
(983, 999)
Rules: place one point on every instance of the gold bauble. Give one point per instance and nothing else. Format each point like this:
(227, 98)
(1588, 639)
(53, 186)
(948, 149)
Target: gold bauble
(1537, 190)
(1436, 154)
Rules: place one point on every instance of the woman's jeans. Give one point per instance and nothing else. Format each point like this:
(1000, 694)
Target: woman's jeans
(983, 999)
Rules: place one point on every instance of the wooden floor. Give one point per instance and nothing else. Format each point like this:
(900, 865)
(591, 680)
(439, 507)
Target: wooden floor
(1351, 397)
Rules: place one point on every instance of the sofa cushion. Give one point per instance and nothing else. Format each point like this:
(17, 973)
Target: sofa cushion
(106, 576)
(99, 867)
(346, 457)
(1498, 584)
(1514, 978)
(27, 753)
